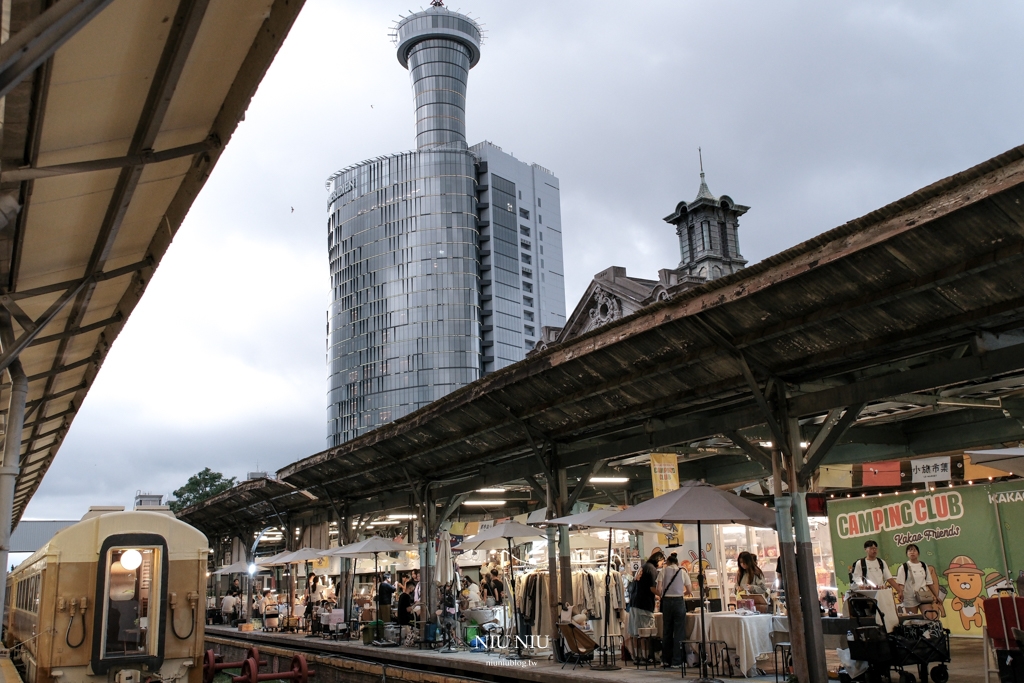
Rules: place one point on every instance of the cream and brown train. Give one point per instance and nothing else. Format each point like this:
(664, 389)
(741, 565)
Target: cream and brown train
(115, 597)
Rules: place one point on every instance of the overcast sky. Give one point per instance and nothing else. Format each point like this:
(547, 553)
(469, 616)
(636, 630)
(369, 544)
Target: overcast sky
(810, 113)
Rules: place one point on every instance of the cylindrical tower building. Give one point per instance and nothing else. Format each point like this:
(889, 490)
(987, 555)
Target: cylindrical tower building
(403, 242)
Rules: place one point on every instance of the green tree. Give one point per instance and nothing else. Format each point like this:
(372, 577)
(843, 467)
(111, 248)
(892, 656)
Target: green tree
(200, 486)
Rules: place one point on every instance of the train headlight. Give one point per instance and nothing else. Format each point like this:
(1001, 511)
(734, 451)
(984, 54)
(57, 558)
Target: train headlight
(131, 559)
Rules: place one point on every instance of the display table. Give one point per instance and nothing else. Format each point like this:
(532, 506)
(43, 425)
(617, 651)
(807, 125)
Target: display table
(748, 635)
(833, 630)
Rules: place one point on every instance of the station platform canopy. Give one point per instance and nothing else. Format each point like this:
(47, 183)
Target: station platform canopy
(116, 112)
(248, 505)
(900, 333)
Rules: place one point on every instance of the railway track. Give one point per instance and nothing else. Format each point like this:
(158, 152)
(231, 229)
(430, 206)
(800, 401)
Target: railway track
(362, 668)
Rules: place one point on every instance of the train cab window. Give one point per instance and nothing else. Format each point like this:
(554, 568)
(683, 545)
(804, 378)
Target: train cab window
(131, 619)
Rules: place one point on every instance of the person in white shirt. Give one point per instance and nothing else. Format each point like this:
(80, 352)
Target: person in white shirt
(228, 605)
(912, 576)
(673, 584)
(871, 571)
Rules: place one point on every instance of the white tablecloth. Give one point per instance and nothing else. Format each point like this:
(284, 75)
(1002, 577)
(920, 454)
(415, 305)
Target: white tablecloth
(748, 635)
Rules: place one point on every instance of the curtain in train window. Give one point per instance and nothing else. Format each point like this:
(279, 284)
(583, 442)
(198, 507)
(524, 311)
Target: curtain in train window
(131, 621)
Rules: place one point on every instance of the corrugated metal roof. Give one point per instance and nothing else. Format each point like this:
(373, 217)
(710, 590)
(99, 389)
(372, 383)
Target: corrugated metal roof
(141, 76)
(248, 504)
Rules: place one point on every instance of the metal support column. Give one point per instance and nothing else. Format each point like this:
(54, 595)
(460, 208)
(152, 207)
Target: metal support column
(817, 670)
(787, 553)
(428, 562)
(564, 553)
(12, 449)
(553, 579)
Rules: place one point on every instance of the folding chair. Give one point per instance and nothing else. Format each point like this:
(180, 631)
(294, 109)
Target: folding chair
(581, 646)
(1002, 615)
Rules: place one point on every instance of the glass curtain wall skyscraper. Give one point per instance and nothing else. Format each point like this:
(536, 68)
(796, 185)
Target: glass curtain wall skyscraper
(408, 315)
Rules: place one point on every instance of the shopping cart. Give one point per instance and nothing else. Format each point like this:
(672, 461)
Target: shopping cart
(917, 642)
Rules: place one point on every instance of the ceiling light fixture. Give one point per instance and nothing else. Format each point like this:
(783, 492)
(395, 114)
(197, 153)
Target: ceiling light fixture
(609, 480)
(492, 503)
(491, 490)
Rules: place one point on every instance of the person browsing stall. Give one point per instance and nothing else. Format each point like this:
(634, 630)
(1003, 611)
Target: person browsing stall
(497, 587)
(913, 576)
(406, 602)
(229, 607)
(385, 591)
(642, 608)
(872, 571)
(673, 586)
(749, 577)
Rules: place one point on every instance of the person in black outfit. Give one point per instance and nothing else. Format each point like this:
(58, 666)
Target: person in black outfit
(641, 610)
(497, 588)
(385, 591)
(405, 604)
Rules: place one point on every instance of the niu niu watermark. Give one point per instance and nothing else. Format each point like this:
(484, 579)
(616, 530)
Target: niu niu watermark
(517, 642)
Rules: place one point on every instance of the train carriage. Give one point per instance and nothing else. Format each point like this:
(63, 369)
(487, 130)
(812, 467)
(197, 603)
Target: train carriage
(115, 597)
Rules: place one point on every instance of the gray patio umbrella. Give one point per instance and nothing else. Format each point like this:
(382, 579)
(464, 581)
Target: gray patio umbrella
(598, 518)
(1007, 459)
(698, 503)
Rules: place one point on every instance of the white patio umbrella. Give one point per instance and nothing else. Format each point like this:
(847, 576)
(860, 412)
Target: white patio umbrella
(240, 567)
(375, 545)
(596, 518)
(1007, 459)
(273, 560)
(513, 534)
(698, 503)
(302, 555)
(444, 571)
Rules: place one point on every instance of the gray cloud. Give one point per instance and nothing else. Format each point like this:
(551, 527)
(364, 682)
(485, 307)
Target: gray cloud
(811, 113)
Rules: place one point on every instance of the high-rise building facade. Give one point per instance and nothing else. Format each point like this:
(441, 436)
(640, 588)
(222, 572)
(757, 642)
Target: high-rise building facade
(521, 282)
(433, 280)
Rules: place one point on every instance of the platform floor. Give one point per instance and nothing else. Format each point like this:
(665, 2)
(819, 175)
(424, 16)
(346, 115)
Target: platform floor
(967, 665)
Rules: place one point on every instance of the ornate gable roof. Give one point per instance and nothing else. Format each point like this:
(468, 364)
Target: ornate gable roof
(612, 295)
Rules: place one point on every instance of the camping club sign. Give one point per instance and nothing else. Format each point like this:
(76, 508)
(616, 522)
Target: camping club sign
(905, 514)
(958, 532)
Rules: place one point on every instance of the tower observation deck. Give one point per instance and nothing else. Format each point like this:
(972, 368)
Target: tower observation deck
(439, 47)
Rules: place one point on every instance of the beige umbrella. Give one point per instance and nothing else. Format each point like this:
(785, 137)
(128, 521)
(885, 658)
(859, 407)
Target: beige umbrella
(240, 567)
(375, 545)
(1009, 460)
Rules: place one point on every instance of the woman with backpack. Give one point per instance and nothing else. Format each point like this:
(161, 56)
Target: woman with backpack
(915, 578)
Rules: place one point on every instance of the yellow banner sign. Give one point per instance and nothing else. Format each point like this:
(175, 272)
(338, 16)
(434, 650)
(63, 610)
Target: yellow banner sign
(665, 478)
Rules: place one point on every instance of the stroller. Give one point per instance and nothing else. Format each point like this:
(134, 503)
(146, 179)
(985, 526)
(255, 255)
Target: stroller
(915, 642)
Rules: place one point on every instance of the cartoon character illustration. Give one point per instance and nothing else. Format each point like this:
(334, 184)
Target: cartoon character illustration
(996, 583)
(966, 583)
(703, 559)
